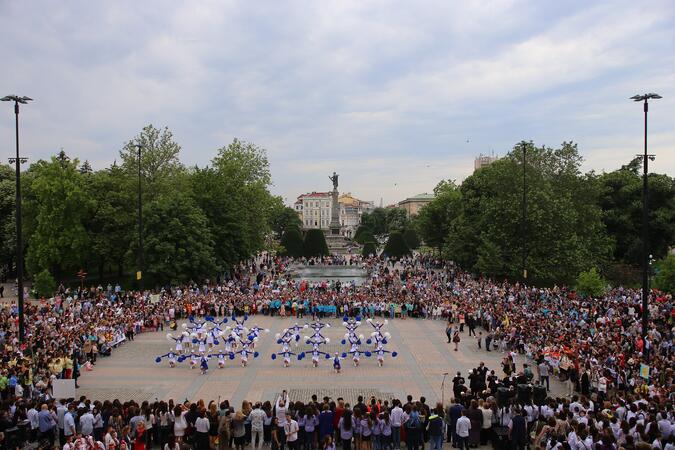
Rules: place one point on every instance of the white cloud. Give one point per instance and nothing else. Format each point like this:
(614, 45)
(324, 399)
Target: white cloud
(374, 90)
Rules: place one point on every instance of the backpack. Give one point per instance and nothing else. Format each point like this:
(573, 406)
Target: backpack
(412, 423)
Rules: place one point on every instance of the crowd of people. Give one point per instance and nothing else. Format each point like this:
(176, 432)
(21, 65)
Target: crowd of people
(594, 345)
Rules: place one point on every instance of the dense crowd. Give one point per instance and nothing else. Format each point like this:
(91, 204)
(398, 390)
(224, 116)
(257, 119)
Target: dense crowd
(595, 345)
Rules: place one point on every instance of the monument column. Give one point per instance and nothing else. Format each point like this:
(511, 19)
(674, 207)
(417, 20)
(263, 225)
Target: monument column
(335, 209)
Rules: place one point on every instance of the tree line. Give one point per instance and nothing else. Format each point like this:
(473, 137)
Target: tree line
(197, 222)
(574, 221)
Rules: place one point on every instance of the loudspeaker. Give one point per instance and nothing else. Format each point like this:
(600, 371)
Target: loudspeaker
(524, 394)
(539, 395)
(503, 396)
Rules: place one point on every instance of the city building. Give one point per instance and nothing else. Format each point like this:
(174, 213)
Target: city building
(483, 160)
(315, 211)
(412, 205)
(351, 210)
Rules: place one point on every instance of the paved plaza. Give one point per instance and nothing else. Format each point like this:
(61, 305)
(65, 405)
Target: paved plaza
(423, 356)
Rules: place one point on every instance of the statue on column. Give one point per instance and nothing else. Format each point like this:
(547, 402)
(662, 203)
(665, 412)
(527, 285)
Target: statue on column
(334, 179)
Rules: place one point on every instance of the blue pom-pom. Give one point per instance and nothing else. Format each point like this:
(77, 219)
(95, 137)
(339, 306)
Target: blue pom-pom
(394, 354)
(256, 354)
(278, 341)
(344, 355)
(358, 318)
(208, 318)
(297, 338)
(369, 341)
(231, 356)
(194, 341)
(327, 356)
(158, 360)
(216, 342)
(245, 316)
(224, 320)
(274, 356)
(368, 354)
(384, 341)
(344, 342)
(181, 358)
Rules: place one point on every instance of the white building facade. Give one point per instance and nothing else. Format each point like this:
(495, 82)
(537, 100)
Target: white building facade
(315, 211)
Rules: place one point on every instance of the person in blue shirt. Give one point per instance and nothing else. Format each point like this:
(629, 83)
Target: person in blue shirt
(325, 422)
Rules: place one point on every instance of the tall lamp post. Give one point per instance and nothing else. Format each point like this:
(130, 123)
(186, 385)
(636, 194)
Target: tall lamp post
(645, 221)
(141, 258)
(19, 238)
(524, 225)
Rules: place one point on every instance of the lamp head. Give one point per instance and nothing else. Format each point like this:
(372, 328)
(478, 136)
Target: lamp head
(16, 98)
(643, 97)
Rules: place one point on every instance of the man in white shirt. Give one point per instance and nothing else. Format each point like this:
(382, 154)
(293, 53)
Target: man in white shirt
(280, 412)
(32, 416)
(462, 429)
(396, 422)
(69, 422)
(291, 429)
(257, 418)
(87, 424)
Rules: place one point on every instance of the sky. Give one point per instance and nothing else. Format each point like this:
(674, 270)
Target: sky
(393, 96)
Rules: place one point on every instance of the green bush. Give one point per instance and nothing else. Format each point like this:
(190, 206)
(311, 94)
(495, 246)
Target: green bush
(590, 283)
(396, 246)
(315, 244)
(292, 243)
(664, 280)
(44, 284)
(369, 248)
(362, 232)
(411, 238)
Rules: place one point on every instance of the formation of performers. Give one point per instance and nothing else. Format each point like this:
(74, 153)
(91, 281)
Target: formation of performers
(207, 339)
(378, 339)
(200, 341)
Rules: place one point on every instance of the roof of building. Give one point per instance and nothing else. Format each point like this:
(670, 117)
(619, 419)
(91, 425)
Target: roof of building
(314, 195)
(419, 198)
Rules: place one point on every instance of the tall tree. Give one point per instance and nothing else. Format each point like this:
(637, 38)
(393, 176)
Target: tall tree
(178, 242)
(282, 218)
(621, 202)
(112, 223)
(7, 221)
(563, 231)
(159, 159)
(434, 219)
(57, 206)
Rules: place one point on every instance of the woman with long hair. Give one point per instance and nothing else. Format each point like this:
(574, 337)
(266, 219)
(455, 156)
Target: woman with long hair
(346, 427)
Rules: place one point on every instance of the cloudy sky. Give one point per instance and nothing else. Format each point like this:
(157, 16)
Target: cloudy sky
(394, 96)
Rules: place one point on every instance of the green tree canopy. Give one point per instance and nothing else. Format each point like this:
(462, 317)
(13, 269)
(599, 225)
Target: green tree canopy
(282, 218)
(621, 202)
(292, 243)
(664, 279)
(590, 283)
(369, 249)
(396, 246)
(563, 232)
(315, 244)
(57, 206)
(7, 220)
(411, 238)
(178, 242)
(435, 218)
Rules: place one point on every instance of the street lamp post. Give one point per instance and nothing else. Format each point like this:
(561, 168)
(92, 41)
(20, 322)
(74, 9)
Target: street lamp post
(645, 220)
(524, 224)
(141, 258)
(19, 238)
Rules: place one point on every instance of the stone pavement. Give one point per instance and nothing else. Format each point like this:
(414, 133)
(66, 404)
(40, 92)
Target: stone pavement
(423, 356)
